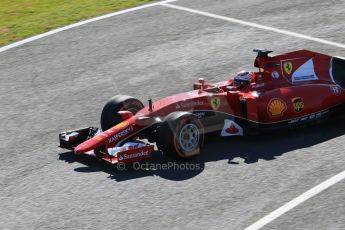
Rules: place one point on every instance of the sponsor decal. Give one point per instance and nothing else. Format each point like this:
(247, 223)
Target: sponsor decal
(276, 107)
(287, 67)
(275, 75)
(200, 114)
(305, 72)
(336, 90)
(127, 156)
(231, 128)
(120, 134)
(297, 104)
(309, 117)
(304, 78)
(215, 103)
(191, 104)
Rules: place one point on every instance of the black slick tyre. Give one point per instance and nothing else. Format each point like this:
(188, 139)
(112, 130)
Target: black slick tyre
(110, 117)
(181, 135)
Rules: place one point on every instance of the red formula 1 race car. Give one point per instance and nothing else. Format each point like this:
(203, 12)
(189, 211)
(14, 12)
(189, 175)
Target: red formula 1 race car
(288, 90)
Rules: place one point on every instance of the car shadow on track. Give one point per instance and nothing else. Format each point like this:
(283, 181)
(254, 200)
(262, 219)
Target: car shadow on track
(250, 149)
(158, 165)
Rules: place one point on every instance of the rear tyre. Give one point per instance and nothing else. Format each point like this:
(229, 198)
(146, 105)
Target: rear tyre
(110, 117)
(181, 135)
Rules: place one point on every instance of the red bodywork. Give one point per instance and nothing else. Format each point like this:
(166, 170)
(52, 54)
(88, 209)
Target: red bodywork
(289, 89)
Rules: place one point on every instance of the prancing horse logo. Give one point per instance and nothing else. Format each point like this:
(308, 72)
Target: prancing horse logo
(215, 103)
(287, 67)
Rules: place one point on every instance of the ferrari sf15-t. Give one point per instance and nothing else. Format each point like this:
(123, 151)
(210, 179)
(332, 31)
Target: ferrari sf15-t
(287, 90)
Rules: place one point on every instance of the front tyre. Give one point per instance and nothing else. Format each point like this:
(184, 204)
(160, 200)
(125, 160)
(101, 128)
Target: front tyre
(181, 135)
(110, 117)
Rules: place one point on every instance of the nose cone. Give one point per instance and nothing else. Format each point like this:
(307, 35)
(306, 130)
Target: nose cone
(90, 144)
(109, 137)
(82, 148)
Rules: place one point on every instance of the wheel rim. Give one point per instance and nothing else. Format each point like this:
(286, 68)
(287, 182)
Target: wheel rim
(189, 137)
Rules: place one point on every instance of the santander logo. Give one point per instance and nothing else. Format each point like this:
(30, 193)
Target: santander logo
(129, 156)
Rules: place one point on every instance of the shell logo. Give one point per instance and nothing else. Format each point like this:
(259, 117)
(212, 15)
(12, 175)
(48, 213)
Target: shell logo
(276, 107)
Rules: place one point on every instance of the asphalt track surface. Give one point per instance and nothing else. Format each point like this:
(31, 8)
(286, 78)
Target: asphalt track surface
(62, 81)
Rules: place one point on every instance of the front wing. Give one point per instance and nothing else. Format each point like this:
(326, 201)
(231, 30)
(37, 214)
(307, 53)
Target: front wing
(71, 139)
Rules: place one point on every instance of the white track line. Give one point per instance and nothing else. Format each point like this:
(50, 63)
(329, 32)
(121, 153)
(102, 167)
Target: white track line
(30, 39)
(276, 30)
(315, 190)
(298, 200)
